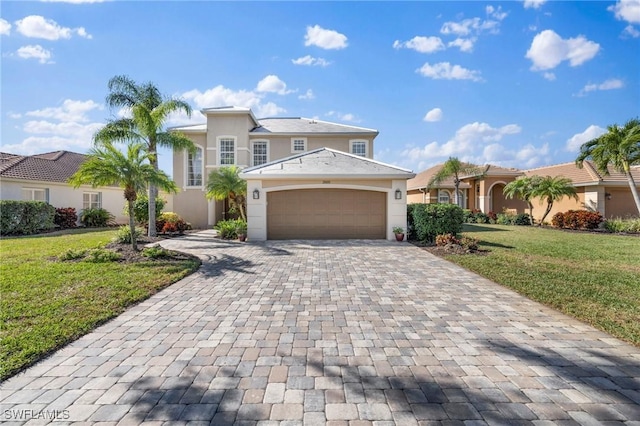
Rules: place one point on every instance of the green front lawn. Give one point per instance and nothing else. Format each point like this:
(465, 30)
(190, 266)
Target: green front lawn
(592, 277)
(46, 304)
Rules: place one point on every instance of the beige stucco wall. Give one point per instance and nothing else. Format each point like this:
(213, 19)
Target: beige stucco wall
(621, 203)
(280, 146)
(563, 205)
(193, 207)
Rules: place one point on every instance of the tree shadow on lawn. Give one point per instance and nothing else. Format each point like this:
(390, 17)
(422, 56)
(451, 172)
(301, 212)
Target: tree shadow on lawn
(472, 227)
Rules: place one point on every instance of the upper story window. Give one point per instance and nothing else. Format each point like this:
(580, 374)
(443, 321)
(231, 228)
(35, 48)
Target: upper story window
(35, 194)
(260, 152)
(194, 168)
(358, 148)
(227, 150)
(298, 145)
(91, 200)
(444, 197)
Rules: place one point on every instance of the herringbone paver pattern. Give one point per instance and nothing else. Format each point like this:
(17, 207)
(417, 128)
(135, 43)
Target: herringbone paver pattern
(335, 333)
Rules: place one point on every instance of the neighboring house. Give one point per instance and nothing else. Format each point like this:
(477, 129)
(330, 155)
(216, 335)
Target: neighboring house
(608, 194)
(306, 178)
(43, 177)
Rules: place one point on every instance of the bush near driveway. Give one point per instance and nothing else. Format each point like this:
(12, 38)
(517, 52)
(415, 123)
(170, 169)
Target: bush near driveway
(430, 220)
(25, 217)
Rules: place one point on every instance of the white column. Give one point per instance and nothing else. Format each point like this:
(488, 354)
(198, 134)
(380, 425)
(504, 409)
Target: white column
(256, 211)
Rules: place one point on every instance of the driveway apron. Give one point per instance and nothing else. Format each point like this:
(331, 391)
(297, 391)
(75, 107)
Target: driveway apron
(331, 332)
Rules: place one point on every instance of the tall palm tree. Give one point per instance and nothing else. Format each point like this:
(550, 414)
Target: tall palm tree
(552, 189)
(149, 112)
(620, 147)
(225, 183)
(455, 168)
(523, 188)
(109, 166)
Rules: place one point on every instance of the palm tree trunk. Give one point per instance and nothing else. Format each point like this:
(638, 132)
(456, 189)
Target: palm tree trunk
(634, 189)
(455, 196)
(132, 226)
(546, 212)
(153, 193)
(530, 212)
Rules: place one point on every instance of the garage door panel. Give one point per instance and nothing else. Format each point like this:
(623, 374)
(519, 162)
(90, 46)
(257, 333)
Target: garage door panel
(326, 214)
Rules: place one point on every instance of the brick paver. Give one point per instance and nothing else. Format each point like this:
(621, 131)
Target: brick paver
(336, 333)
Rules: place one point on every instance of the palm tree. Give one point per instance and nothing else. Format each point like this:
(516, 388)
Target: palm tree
(455, 168)
(225, 183)
(523, 188)
(552, 189)
(149, 112)
(620, 147)
(108, 166)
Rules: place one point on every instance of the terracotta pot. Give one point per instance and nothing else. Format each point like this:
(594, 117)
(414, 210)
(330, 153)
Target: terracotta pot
(399, 237)
(242, 237)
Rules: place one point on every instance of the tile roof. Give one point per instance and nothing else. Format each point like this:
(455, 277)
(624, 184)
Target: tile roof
(588, 174)
(327, 163)
(301, 125)
(422, 180)
(56, 166)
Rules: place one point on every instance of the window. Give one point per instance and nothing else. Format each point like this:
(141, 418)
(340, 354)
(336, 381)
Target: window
(194, 168)
(227, 151)
(91, 200)
(359, 148)
(298, 145)
(443, 197)
(461, 199)
(35, 194)
(260, 153)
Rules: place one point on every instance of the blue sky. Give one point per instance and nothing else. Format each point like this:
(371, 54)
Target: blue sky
(517, 83)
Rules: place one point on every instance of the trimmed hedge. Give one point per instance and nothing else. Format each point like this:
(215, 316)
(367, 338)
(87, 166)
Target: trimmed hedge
(430, 220)
(25, 217)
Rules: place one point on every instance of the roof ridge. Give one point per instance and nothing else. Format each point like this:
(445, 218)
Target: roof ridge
(547, 166)
(593, 171)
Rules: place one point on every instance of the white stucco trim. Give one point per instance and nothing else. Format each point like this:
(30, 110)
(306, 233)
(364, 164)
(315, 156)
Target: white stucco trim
(257, 209)
(219, 151)
(366, 146)
(488, 202)
(251, 152)
(306, 145)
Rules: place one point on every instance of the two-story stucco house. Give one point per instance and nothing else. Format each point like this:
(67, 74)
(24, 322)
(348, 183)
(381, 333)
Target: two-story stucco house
(306, 178)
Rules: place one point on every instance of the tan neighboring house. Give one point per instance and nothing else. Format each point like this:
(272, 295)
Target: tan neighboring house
(307, 178)
(608, 194)
(43, 177)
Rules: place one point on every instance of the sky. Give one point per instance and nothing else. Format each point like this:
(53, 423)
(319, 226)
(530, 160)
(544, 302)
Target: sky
(513, 83)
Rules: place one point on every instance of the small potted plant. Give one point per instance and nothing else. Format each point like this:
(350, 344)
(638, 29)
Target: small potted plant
(241, 230)
(399, 231)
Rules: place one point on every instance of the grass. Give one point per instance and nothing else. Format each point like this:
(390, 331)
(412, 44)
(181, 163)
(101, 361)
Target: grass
(46, 303)
(590, 276)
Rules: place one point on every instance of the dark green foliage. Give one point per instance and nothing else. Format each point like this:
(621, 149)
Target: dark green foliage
(66, 217)
(577, 219)
(411, 229)
(141, 209)
(96, 218)
(228, 229)
(522, 219)
(155, 252)
(477, 216)
(25, 217)
(430, 220)
(123, 236)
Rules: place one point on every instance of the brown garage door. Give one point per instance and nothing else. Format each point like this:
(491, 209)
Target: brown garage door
(323, 214)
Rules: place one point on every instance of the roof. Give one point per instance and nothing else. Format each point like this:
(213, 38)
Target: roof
(422, 180)
(326, 163)
(588, 174)
(56, 166)
(301, 126)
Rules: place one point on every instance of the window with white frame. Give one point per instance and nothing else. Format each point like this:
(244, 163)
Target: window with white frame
(298, 145)
(444, 197)
(227, 149)
(359, 148)
(260, 152)
(35, 194)
(91, 200)
(194, 168)
(461, 199)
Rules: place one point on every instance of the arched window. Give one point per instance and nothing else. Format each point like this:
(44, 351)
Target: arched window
(443, 196)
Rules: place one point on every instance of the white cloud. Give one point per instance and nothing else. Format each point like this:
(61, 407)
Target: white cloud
(273, 84)
(631, 31)
(421, 44)
(5, 27)
(533, 4)
(446, 71)
(611, 84)
(37, 26)
(269, 110)
(308, 95)
(325, 39)
(311, 61)
(343, 117)
(35, 52)
(627, 10)
(496, 13)
(574, 142)
(469, 26)
(434, 115)
(549, 76)
(70, 111)
(548, 50)
(464, 44)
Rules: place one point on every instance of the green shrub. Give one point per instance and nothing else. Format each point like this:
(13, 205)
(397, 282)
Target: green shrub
(102, 256)
(123, 235)
(627, 225)
(141, 209)
(66, 217)
(430, 220)
(169, 222)
(506, 219)
(522, 219)
(73, 254)
(25, 217)
(228, 229)
(411, 229)
(156, 252)
(446, 239)
(469, 243)
(96, 218)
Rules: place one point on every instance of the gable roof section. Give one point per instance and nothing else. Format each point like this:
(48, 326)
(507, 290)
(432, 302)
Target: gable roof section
(305, 126)
(422, 180)
(56, 166)
(326, 163)
(587, 175)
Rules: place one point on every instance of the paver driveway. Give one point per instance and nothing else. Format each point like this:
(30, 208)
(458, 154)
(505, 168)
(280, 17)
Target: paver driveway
(359, 332)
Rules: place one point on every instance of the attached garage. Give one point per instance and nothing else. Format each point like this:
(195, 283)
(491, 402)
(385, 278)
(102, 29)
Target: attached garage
(325, 194)
(326, 214)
